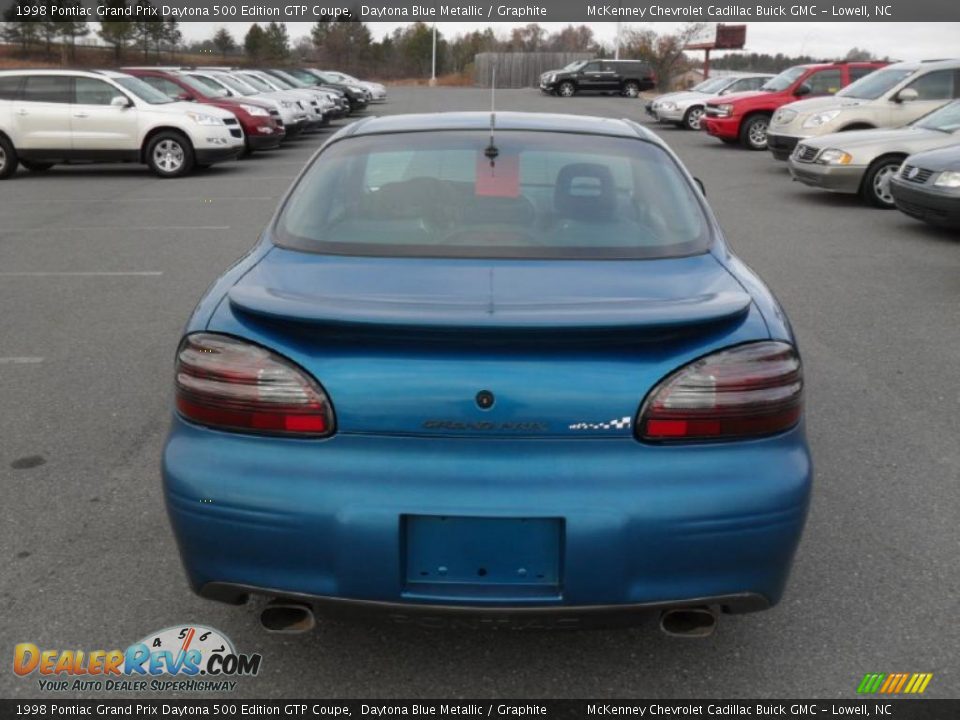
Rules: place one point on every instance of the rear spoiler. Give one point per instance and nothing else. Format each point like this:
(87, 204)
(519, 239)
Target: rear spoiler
(371, 311)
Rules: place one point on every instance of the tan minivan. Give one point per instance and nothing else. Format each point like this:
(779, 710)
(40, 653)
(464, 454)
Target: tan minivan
(889, 97)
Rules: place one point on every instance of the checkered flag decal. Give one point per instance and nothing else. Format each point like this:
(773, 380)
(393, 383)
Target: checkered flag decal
(623, 423)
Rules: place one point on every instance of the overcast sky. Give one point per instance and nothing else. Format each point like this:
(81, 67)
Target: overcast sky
(904, 41)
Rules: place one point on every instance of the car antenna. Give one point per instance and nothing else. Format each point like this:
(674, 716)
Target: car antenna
(491, 150)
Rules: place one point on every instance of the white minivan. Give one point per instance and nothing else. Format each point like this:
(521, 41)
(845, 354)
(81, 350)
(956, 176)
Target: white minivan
(63, 116)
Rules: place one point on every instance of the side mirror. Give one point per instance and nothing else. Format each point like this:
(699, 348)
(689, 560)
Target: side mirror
(804, 89)
(119, 101)
(184, 97)
(699, 183)
(906, 95)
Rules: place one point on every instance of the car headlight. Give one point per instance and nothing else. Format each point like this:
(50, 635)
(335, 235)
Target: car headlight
(204, 119)
(725, 110)
(287, 104)
(668, 105)
(948, 179)
(832, 156)
(785, 116)
(254, 110)
(819, 119)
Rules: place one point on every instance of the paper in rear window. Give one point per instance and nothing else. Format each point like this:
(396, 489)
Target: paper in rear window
(501, 178)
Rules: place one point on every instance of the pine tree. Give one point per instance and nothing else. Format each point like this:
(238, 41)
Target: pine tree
(224, 42)
(117, 33)
(254, 44)
(276, 41)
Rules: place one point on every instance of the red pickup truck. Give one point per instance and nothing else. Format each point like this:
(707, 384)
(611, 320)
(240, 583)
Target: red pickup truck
(743, 118)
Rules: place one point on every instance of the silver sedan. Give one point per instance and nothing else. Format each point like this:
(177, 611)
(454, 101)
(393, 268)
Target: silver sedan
(864, 161)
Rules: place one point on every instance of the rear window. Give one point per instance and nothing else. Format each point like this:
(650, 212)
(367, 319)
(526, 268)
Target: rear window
(543, 195)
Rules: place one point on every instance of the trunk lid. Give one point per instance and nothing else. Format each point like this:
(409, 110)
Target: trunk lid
(419, 347)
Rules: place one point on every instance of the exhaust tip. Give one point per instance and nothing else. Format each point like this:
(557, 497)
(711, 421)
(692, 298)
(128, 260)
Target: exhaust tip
(689, 622)
(290, 618)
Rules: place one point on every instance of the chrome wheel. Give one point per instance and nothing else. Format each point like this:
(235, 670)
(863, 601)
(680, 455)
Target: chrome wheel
(631, 90)
(758, 133)
(566, 89)
(694, 116)
(168, 156)
(881, 183)
(3, 159)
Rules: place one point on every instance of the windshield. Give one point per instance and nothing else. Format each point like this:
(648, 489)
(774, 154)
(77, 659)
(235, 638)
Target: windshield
(575, 65)
(257, 83)
(143, 91)
(236, 84)
(289, 79)
(875, 84)
(945, 119)
(784, 80)
(437, 194)
(305, 76)
(201, 86)
(278, 81)
(714, 85)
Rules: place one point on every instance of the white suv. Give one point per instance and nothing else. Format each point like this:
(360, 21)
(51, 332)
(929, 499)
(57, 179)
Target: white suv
(61, 116)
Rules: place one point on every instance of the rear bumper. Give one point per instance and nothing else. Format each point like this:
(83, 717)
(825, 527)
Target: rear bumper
(641, 525)
(841, 179)
(782, 146)
(728, 128)
(934, 206)
(507, 618)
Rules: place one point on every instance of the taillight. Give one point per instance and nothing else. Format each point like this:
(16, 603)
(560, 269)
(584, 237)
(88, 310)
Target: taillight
(230, 384)
(746, 391)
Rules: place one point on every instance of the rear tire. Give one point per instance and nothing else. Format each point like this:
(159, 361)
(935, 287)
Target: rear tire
(753, 134)
(36, 166)
(567, 89)
(170, 155)
(631, 90)
(692, 118)
(8, 158)
(875, 189)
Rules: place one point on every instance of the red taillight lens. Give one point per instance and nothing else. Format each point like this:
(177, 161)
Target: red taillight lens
(234, 385)
(743, 392)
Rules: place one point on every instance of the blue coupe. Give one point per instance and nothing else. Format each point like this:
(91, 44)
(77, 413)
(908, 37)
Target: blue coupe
(490, 370)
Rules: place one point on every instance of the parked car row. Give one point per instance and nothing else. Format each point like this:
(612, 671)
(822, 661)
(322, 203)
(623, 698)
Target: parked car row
(887, 132)
(172, 119)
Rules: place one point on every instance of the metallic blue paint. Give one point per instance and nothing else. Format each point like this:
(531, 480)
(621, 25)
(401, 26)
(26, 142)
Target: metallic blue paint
(402, 346)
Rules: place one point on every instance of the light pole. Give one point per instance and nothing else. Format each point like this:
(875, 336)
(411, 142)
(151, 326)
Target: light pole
(433, 65)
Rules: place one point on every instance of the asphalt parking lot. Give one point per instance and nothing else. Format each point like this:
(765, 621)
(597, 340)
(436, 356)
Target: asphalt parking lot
(101, 266)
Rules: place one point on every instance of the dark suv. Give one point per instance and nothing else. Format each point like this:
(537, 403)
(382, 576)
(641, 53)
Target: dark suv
(626, 77)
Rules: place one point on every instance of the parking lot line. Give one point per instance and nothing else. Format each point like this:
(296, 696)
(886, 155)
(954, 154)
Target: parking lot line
(71, 273)
(20, 360)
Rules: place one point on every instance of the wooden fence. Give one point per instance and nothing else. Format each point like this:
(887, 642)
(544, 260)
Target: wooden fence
(520, 69)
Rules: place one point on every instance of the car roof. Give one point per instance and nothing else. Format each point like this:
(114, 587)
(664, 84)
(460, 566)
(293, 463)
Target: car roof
(540, 122)
(63, 72)
(950, 64)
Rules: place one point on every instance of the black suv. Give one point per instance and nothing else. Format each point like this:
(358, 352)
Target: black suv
(627, 77)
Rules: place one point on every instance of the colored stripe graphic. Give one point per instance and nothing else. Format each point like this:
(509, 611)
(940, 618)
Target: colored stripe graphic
(894, 683)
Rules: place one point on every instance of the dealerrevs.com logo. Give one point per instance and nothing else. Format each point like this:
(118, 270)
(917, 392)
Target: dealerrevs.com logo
(182, 658)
